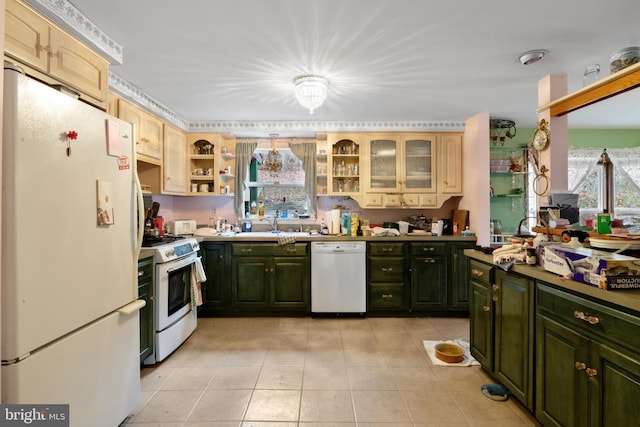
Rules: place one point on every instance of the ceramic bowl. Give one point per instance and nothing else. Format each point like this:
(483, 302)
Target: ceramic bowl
(449, 352)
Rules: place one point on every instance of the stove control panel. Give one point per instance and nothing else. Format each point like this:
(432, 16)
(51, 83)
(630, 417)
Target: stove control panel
(175, 250)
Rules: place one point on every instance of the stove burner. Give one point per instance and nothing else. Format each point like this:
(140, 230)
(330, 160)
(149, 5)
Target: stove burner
(149, 241)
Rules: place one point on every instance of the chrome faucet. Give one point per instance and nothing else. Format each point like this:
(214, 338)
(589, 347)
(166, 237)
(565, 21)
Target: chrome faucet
(274, 224)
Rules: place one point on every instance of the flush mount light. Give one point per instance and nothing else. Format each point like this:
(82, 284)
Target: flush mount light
(311, 91)
(532, 56)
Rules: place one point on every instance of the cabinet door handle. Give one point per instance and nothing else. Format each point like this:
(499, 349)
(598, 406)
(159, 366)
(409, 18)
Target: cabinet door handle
(591, 372)
(428, 249)
(580, 366)
(140, 273)
(387, 296)
(486, 308)
(387, 270)
(477, 273)
(592, 320)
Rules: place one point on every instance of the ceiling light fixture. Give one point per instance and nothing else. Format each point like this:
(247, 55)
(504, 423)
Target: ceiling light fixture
(532, 56)
(311, 91)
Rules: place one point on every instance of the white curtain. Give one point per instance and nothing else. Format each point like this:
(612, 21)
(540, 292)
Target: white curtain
(583, 164)
(244, 152)
(305, 150)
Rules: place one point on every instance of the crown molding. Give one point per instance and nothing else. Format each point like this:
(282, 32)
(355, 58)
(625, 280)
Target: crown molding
(240, 127)
(71, 19)
(132, 93)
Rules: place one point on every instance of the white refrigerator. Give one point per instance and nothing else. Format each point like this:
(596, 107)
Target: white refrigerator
(70, 240)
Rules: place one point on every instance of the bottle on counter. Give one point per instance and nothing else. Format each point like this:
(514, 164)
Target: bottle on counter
(261, 209)
(355, 224)
(324, 230)
(254, 209)
(213, 219)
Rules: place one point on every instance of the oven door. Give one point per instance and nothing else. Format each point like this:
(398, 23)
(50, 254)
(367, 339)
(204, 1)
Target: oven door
(173, 291)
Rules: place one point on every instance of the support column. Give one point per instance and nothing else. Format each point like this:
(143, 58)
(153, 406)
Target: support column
(555, 156)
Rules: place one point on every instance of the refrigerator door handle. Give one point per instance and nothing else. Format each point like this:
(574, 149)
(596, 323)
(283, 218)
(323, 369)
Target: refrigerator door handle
(132, 307)
(140, 230)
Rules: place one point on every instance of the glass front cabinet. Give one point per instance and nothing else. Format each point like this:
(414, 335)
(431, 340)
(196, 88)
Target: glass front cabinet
(401, 163)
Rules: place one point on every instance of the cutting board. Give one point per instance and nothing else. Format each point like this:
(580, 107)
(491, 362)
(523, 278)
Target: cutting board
(461, 216)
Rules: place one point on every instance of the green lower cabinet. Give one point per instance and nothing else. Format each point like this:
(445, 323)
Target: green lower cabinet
(428, 283)
(215, 290)
(386, 278)
(585, 376)
(269, 279)
(615, 387)
(250, 282)
(561, 389)
(514, 334)
(145, 292)
(290, 283)
(458, 277)
(417, 276)
(481, 315)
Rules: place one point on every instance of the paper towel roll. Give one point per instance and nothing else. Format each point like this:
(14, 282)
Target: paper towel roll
(335, 222)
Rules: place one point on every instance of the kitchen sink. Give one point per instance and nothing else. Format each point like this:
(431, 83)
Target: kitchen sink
(274, 234)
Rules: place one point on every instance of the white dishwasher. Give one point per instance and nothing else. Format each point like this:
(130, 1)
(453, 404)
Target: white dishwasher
(338, 277)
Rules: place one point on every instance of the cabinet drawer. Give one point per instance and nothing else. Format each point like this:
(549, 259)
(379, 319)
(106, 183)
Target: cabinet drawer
(426, 248)
(386, 248)
(590, 316)
(268, 249)
(387, 296)
(480, 272)
(386, 269)
(145, 270)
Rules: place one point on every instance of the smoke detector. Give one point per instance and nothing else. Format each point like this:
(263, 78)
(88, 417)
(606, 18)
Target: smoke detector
(532, 56)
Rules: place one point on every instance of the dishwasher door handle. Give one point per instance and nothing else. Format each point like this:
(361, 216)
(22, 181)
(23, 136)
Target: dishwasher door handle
(337, 251)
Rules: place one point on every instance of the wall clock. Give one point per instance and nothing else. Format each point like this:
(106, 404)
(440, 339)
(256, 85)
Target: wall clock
(541, 135)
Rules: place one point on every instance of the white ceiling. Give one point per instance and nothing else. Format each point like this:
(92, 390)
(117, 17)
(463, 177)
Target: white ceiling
(386, 60)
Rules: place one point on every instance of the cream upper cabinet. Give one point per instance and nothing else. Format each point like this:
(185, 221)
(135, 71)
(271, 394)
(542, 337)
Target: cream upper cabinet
(149, 138)
(450, 164)
(383, 156)
(344, 164)
(175, 161)
(400, 163)
(52, 53)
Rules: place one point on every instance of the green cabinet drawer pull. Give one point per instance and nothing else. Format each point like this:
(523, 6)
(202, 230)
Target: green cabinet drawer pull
(387, 296)
(246, 249)
(387, 249)
(428, 249)
(429, 260)
(592, 320)
(387, 270)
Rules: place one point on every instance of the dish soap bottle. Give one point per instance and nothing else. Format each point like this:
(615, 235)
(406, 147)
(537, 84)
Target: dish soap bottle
(261, 209)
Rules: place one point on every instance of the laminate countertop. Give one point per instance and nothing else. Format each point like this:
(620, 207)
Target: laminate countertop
(626, 299)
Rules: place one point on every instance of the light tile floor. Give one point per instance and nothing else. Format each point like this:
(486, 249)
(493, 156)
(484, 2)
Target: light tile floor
(309, 372)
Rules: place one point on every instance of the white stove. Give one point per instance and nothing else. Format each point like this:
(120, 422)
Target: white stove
(174, 315)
